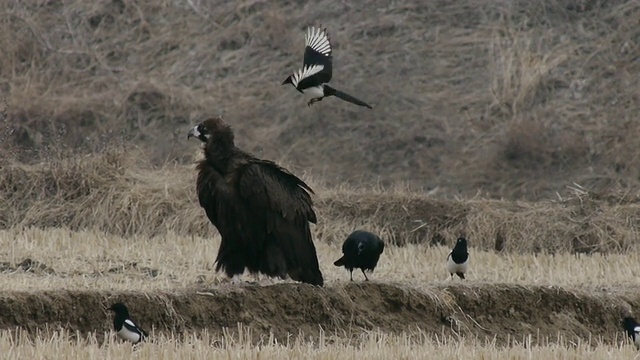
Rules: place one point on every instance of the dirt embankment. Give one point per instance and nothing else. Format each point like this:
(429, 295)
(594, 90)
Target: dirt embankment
(484, 310)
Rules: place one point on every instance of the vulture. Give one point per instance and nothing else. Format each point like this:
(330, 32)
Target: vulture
(458, 259)
(361, 250)
(262, 211)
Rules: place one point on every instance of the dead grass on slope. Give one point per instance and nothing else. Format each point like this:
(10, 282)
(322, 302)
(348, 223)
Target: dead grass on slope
(494, 313)
(514, 98)
(120, 193)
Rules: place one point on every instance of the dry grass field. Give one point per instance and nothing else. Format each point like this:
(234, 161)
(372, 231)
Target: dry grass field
(512, 123)
(82, 232)
(371, 345)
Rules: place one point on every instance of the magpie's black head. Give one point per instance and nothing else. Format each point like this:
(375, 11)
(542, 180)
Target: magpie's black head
(120, 309)
(461, 243)
(629, 325)
(287, 81)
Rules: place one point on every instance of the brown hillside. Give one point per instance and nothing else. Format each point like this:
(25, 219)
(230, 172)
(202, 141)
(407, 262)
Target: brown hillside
(514, 98)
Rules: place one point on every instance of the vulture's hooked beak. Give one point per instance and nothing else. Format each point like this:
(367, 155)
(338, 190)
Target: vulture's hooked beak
(192, 133)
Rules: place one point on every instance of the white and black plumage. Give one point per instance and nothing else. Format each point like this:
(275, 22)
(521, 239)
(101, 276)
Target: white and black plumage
(317, 69)
(361, 250)
(125, 328)
(633, 330)
(458, 259)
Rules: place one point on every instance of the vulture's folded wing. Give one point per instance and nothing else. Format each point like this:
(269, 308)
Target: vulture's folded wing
(284, 205)
(225, 210)
(264, 183)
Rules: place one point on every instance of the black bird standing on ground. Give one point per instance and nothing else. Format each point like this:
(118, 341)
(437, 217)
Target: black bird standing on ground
(317, 70)
(125, 328)
(361, 250)
(261, 210)
(633, 330)
(458, 259)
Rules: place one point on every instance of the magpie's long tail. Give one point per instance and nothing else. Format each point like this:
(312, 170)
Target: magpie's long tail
(344, 96)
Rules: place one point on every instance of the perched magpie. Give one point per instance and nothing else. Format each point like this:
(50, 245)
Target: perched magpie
(316, 70)
(125, 328)
(633, 330)
(458, 259)
(361, 250)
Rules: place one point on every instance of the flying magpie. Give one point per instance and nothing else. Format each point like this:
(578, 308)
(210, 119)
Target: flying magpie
(458, 259)
(633, 330)
(125, 328)
(362, 250)
(316, 70)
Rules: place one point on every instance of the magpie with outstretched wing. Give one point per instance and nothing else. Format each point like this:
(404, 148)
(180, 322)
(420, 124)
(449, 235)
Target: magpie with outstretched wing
(316, 70)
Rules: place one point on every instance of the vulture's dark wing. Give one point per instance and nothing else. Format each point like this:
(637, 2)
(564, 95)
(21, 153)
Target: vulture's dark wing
(224, 209)
(281, 203)
(317, 51)
(208, 187)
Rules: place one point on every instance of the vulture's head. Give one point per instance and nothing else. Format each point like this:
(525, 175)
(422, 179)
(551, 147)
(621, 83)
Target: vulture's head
(212, 128)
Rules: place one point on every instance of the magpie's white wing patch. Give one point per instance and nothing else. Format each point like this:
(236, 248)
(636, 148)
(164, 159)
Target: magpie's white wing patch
(130, 323)
(305, 72)
(318, 40)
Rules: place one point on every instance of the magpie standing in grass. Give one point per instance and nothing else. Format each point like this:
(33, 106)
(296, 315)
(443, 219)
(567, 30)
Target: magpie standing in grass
(633, 330)
(316, 70)
(361, 250)
(458, 259)
(125, 328)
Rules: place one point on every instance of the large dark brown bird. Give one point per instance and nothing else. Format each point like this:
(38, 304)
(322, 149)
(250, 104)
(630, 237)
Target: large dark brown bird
(260, 209)
(362, 250)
